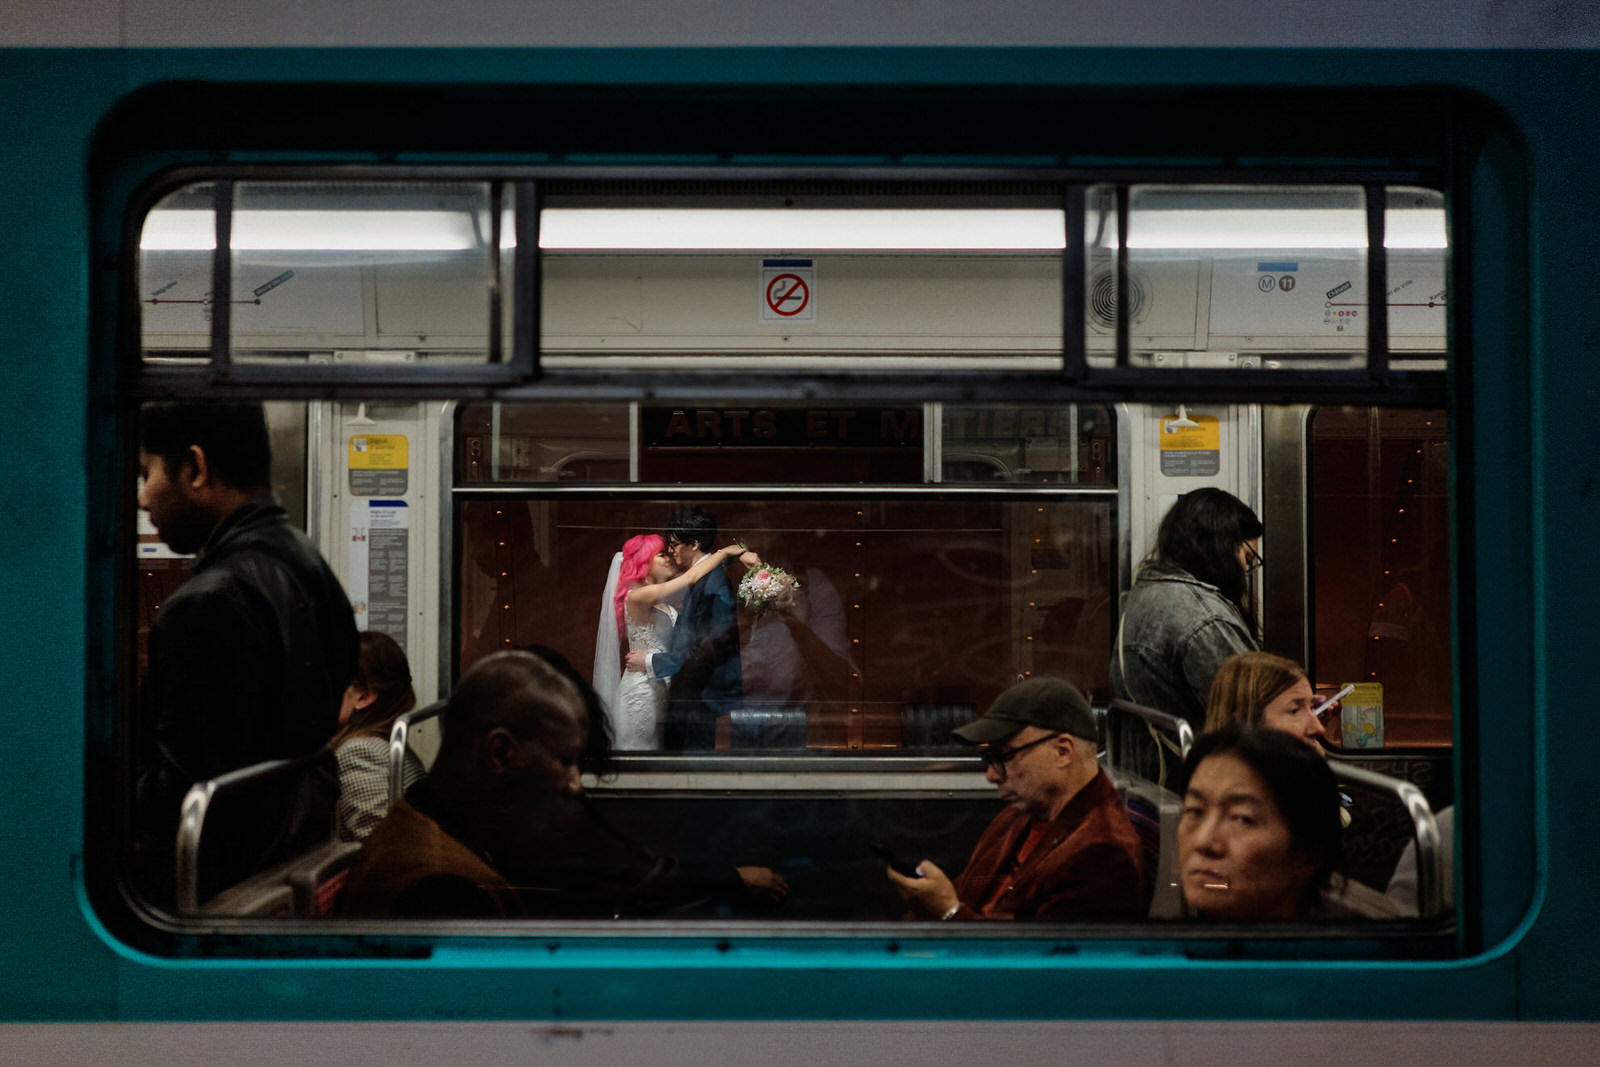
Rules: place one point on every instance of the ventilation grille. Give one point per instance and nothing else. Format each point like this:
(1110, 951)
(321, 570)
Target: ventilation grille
(1103, 297)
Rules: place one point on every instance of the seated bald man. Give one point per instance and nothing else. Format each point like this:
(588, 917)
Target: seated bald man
(514, 729)
(1063, 849)
(498, 828)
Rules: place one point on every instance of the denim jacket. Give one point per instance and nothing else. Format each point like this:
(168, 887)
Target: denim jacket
(1175, 632)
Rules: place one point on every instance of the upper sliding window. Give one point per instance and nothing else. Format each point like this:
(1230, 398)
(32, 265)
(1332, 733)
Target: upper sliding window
(475, 277)
(333, 273)
(1264, 277)
(808, 278)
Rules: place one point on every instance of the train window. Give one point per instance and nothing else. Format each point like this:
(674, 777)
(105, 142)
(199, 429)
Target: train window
(811, 277)
(1282, 275)
(1071, 444)
(905, 605)
(176, 242)
(872, 391)
(566, 443)
(1381, 544)
(320, 272)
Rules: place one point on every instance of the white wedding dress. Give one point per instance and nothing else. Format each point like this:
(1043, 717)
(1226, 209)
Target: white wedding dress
(641, 701)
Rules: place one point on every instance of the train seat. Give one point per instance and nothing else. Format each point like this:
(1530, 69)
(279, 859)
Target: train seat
(309, 783)
(264, 895)
(1154, 812)
(1390, 816)
(1143, 742)
(317, 877)
(1142, 748)
(400, 739)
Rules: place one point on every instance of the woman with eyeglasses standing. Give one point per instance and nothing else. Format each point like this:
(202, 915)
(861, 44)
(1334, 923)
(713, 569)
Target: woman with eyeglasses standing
(1189, 608)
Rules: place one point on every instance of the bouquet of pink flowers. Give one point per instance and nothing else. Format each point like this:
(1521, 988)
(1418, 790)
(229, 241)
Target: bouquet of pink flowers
(767, 588)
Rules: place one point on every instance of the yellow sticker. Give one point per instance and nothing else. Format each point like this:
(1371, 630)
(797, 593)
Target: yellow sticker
(379, 452)
(1366, 693)
(1198, 433)
(1361, 716)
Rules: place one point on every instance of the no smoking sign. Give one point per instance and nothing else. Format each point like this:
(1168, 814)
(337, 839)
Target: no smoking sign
(788, 291)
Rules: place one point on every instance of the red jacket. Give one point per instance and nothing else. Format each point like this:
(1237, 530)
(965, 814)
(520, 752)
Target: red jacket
(1089, 865)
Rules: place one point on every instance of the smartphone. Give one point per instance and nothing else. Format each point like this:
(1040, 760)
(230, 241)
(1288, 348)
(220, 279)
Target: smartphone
(898, 865)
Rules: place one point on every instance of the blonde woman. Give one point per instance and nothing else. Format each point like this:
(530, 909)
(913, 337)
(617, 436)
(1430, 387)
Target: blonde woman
(1260, 689)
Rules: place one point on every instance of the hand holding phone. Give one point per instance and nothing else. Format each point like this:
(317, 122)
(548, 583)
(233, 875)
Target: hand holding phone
(896, 864)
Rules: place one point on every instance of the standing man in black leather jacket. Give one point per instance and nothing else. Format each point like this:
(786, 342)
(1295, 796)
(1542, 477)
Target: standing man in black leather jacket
(247, 661)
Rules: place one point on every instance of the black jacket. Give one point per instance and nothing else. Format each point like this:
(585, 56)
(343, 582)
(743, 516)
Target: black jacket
(248, 662)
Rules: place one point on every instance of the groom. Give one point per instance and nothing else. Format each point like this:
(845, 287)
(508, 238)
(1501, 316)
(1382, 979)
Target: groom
(701, 662)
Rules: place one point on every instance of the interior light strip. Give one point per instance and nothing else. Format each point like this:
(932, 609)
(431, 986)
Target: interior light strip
(779, 231)
(1263, 228)
(313, 231)
(801, 230)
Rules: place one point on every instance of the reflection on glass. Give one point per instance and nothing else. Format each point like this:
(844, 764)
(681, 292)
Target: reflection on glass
(1414, 226)
(175, 275)
(572, 444)
(1258, 277)
(362, 274)
(1061, 444)
(1287, 267)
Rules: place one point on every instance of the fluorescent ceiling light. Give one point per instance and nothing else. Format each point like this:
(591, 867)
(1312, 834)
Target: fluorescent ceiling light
(1245, 228)
(801, 230)
(761, 230)
(313, 231)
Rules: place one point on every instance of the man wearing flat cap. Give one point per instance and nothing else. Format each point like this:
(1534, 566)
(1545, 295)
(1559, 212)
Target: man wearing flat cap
(1063, 849)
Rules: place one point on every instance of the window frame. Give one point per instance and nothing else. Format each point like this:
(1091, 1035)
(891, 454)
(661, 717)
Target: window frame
(524, 379)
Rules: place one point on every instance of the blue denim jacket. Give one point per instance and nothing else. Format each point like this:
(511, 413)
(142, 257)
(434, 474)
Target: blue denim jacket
(1175, 632)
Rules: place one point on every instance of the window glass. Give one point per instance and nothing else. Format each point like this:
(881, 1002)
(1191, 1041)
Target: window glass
(1380, 539)
(381, 275)
(1259, 277)
(911, 615)
(565, 443)
(915, 557)
(175, 254)
(890, 584)
(1415, 235)
(801, 280)
(328, 272)
(1067, 444)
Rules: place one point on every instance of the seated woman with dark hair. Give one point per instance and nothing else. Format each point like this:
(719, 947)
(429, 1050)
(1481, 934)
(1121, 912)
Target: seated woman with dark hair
(378, 695)
(1259, 834)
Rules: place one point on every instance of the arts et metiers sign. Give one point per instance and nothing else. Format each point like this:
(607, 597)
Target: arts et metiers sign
(775, 427)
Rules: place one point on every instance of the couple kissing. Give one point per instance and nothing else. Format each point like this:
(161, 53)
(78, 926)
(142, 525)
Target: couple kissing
(680, 669)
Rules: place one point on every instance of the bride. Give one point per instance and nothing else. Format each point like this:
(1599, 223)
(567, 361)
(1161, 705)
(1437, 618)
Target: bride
(642, 576)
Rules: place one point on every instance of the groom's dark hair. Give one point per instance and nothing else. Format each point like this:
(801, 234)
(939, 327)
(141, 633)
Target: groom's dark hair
(692, 526)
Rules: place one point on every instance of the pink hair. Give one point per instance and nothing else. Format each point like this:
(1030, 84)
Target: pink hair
(637, 553)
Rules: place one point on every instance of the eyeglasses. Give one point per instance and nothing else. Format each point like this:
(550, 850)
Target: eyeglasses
(999, 757)
(1254, 563)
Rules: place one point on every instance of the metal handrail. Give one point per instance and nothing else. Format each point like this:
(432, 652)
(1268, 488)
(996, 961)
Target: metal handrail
(1175, 727)
(399, 740)
(1425, 830)
(197, 804)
